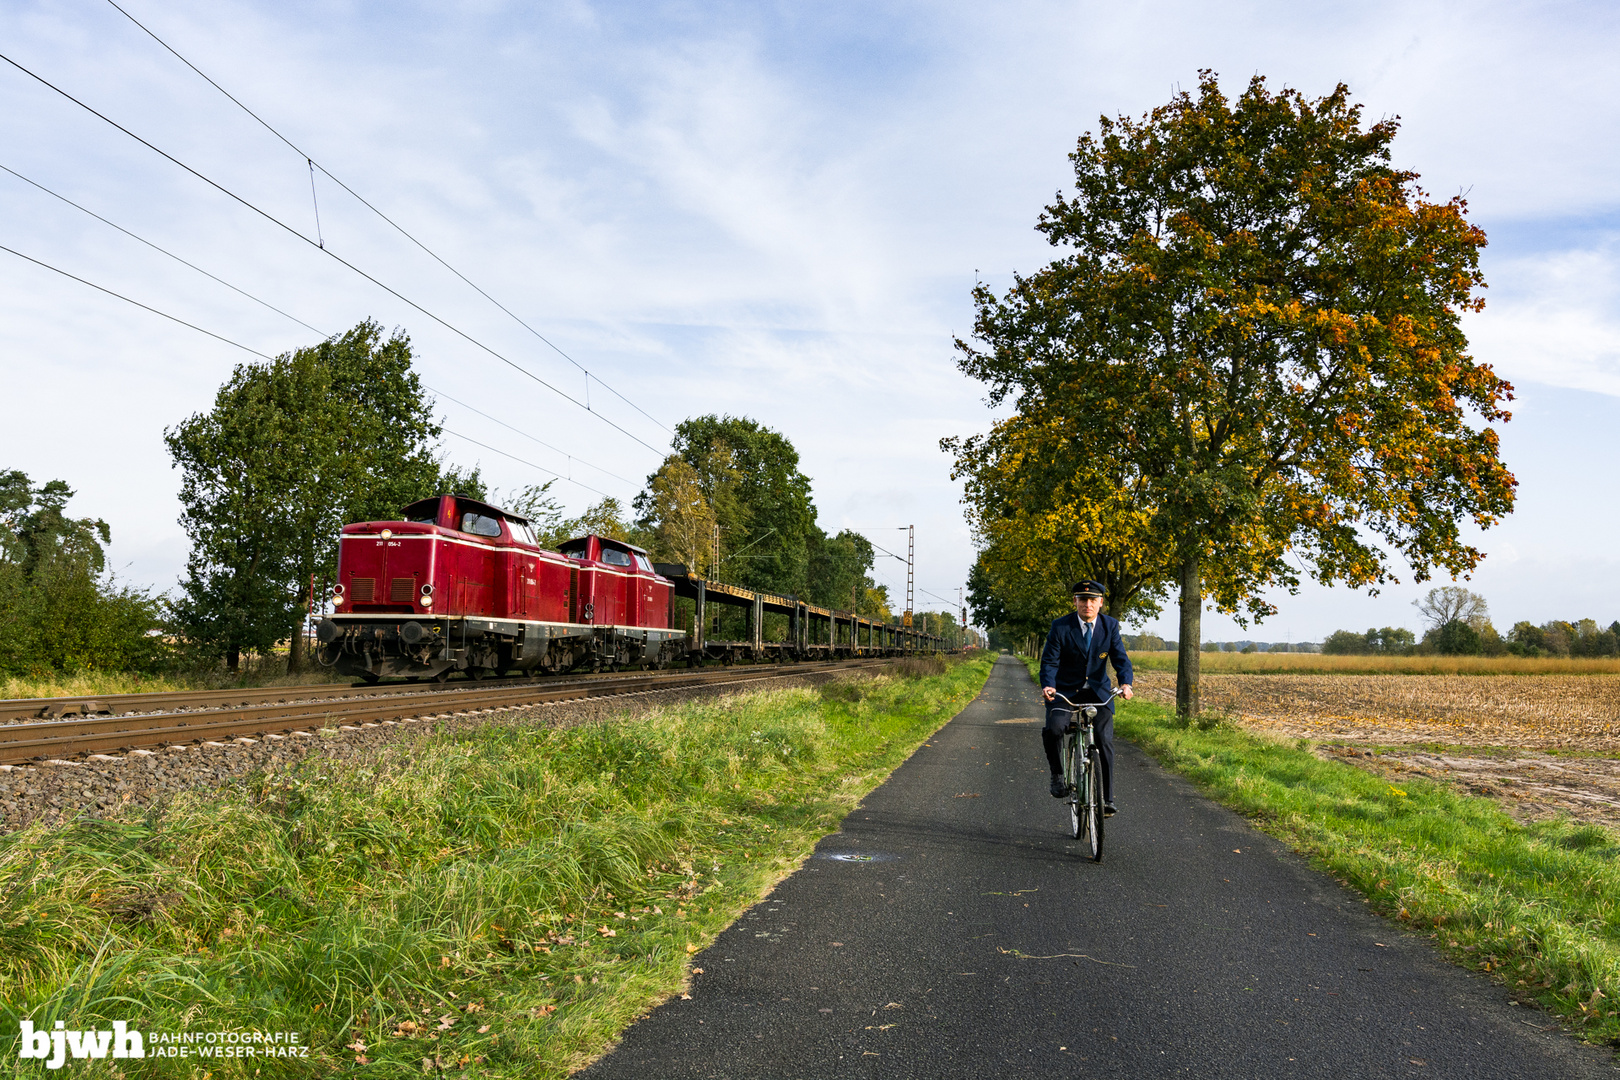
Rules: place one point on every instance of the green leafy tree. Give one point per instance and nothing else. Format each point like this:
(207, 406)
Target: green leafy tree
(836, 571)
(1260, 316)
(292, 450)
(750, 476)
(60, 611)
(1047, 511)
(682, 519)
(1455, 638)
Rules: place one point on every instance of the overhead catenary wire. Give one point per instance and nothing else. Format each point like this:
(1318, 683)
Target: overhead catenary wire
(263, 303)
(266, 356)
(530, 464)
(526, 435)
(137, 303)
(163, 251)
(313, 165)
(327, 251)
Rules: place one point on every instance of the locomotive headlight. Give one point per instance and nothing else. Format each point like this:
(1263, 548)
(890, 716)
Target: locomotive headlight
(427, 596)
(386, 533)
(337, 591)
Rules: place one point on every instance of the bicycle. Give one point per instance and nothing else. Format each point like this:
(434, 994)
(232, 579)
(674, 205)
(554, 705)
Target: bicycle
(1085, 789)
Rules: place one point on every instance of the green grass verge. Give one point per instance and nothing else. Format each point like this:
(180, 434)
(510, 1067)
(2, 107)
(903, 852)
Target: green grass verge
(501, 901)
(1536, 906)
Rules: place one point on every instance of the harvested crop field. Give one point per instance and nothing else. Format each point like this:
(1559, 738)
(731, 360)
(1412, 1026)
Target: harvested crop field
(1544, 711)
(1541, 745)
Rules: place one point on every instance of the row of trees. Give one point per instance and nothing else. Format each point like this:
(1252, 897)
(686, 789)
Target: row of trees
(1246, 364)
(1581, 638)
(729, 503)
(60, 610)
(342, 431)
(1460, 625)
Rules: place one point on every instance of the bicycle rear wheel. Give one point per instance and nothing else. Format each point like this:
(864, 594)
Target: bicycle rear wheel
(1070, 761)
(1094, 803)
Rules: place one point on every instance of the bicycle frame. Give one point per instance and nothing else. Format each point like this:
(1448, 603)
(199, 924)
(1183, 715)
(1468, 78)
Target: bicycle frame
(1082, 772)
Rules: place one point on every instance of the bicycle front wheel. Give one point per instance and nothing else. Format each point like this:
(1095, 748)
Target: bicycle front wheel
(1094, 804)
(1070, 760)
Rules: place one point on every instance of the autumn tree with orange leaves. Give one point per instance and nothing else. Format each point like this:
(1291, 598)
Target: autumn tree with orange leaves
(1254, 327)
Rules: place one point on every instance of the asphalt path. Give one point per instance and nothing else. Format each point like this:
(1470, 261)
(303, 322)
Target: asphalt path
(952, 929)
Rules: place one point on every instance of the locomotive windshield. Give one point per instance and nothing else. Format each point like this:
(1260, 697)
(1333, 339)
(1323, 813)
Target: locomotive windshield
(480, 525)
(615, 558)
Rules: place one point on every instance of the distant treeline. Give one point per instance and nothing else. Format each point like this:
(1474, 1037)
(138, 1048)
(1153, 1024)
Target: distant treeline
(1155, 643)
(1461, 638)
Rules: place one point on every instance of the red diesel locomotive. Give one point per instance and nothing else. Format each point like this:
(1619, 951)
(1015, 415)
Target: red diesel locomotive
(459, 585)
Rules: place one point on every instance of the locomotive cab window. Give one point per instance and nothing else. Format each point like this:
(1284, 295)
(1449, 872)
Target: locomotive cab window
(643, 564)
(575, 550)
(615, 558)
(480, 525)
(522, 531)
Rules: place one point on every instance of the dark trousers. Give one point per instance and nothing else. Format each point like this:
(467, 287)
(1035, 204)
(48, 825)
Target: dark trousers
(1102, 730)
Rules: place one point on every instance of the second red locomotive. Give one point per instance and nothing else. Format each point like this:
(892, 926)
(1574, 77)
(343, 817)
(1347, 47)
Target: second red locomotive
(459, 585)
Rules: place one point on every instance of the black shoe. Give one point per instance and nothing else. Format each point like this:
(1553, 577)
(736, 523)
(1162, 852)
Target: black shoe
(1059, 788)
(1109, 809)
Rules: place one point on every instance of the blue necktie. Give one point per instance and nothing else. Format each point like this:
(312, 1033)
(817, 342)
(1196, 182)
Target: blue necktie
(1085, 638)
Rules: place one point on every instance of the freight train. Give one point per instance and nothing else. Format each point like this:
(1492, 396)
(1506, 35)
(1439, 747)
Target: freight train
(459, 585)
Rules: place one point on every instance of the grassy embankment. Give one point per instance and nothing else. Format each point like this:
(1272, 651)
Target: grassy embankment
(502, 901)
(1225, 663)
(270, 672)
(1536, 906)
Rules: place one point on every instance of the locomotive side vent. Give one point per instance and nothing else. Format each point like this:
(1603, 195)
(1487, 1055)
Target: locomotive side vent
(402, 590)
(362, 588)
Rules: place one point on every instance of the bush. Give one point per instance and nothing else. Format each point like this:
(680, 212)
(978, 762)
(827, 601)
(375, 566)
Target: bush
(1456, 638)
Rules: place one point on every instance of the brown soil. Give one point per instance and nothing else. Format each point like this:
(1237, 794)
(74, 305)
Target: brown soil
(1541, 746)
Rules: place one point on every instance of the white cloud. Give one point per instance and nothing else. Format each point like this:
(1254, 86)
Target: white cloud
(751, 209)
(1559, 321)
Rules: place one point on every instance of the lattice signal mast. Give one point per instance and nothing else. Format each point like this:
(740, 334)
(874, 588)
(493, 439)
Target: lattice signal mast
(911, 568)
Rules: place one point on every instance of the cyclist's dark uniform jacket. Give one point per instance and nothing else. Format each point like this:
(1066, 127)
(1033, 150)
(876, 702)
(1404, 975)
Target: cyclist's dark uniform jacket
(1082, 675)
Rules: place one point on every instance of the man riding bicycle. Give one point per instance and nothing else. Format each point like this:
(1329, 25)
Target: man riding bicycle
(1075, 663)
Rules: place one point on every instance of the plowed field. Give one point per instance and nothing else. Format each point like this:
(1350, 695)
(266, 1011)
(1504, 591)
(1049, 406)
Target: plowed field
(1546, 744)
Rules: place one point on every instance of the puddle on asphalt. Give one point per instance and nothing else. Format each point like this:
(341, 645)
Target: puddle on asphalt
(856, 856)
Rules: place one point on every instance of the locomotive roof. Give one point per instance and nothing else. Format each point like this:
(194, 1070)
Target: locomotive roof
(605, 540)
(431, 505)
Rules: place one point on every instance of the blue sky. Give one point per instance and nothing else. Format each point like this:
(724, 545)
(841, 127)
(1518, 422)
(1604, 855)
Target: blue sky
(774, 210)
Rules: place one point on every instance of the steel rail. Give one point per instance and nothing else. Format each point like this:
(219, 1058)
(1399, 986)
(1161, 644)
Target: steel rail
(60, 739)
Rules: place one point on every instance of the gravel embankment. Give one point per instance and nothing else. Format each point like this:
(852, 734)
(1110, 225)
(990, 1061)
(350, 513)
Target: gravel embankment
(109, 786)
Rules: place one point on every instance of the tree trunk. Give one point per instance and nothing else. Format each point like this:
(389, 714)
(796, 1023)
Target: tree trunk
(233, 659)
(1187, 654)
(295, 649)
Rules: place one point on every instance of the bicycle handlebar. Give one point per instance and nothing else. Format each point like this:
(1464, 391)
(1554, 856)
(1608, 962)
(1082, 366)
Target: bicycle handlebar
(1112, 694)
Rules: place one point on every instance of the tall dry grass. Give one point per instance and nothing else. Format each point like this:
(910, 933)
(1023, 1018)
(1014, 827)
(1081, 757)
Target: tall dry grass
(1225, 663)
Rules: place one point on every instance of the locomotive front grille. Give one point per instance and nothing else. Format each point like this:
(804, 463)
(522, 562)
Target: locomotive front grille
(402, 590)
(362, 588)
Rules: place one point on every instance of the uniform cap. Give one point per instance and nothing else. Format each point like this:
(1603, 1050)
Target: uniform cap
(1087, 588)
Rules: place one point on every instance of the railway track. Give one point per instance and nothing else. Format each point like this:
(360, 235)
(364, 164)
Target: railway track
(145, 721)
